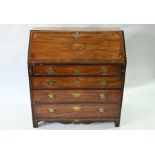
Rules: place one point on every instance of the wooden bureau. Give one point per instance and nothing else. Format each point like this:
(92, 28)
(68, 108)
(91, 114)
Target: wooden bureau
(76, 75)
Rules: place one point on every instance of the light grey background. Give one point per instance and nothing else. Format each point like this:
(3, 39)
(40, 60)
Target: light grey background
(138, 111)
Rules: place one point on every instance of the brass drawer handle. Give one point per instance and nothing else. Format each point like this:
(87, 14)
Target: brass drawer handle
(104, 70)
(50, 83)
(76, 94)
(104, 82)
(77, 81)
(51, 110)
(50, 70)
(101, 110)
(76, 108)
(102, 96)
(51, 96)
(76, 35)
(77, 70)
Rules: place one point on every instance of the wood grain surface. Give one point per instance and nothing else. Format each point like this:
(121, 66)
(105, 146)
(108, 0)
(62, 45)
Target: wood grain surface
(48, 70)
(76, 74)
(68, 96)
(46, 46)
(76, 82)
(86, 111)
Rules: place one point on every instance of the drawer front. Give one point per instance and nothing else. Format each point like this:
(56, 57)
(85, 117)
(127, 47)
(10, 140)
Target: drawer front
(66, 96)
(57, 111)
(76, 82)
(76, 70)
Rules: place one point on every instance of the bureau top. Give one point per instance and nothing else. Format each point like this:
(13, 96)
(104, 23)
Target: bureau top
(76, 45)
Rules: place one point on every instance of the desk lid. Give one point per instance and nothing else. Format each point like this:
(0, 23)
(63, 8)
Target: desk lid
(73, 45)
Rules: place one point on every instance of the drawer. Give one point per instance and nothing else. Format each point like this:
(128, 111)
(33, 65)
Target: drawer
(68, 96)
(44, 70)
(57, 111)
(76, 82)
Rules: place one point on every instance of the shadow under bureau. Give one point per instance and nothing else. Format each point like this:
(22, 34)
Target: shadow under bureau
(76, 75)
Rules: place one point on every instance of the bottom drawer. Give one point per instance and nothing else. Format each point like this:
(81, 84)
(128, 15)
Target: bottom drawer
(86, 110)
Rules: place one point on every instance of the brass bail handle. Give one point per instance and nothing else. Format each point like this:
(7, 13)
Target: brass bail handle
(103, 96)
(77, 70)
(104, 70)
(51, 110)
(101, 110)
(76, 108)
(51, 96)
(76, 94)
(50, 82)
(50, 70)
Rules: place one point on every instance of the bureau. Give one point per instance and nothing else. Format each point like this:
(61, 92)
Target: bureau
(76, 75)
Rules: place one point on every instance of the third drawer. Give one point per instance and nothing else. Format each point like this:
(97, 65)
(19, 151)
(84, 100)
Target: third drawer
(68, 96)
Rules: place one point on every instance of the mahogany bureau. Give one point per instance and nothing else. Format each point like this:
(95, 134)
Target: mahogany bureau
(76, 75)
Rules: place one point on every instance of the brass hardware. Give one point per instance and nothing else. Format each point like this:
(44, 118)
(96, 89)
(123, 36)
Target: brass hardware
(76, 108)
(101, 110)
(104, 82)
(76, 35)
(77, 81)
(102, 96)
(50, 70)
(51, 110)
(51, 96)
(104, 70)
(77, 70)
(76, 94)
(50, 83)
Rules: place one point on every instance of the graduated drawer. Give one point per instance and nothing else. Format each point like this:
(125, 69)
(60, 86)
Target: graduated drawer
(68, 96)
(76, 82)
(44, 70)
(57, 111)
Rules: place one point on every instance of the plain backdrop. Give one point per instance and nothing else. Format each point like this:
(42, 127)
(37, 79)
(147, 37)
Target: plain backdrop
(138, 110)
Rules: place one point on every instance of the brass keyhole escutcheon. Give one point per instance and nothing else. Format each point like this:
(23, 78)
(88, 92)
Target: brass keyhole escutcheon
(104, 82)
(76, 35)
(51, 110)
(102, 96)
(104, 70)
(77, 81)
(50, 70)
(76, 108)
(50, 83)
(51, 96)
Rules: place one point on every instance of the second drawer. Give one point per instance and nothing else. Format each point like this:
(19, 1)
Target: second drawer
(76, 82)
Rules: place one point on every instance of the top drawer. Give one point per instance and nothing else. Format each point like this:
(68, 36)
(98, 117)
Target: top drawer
(44, 70)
